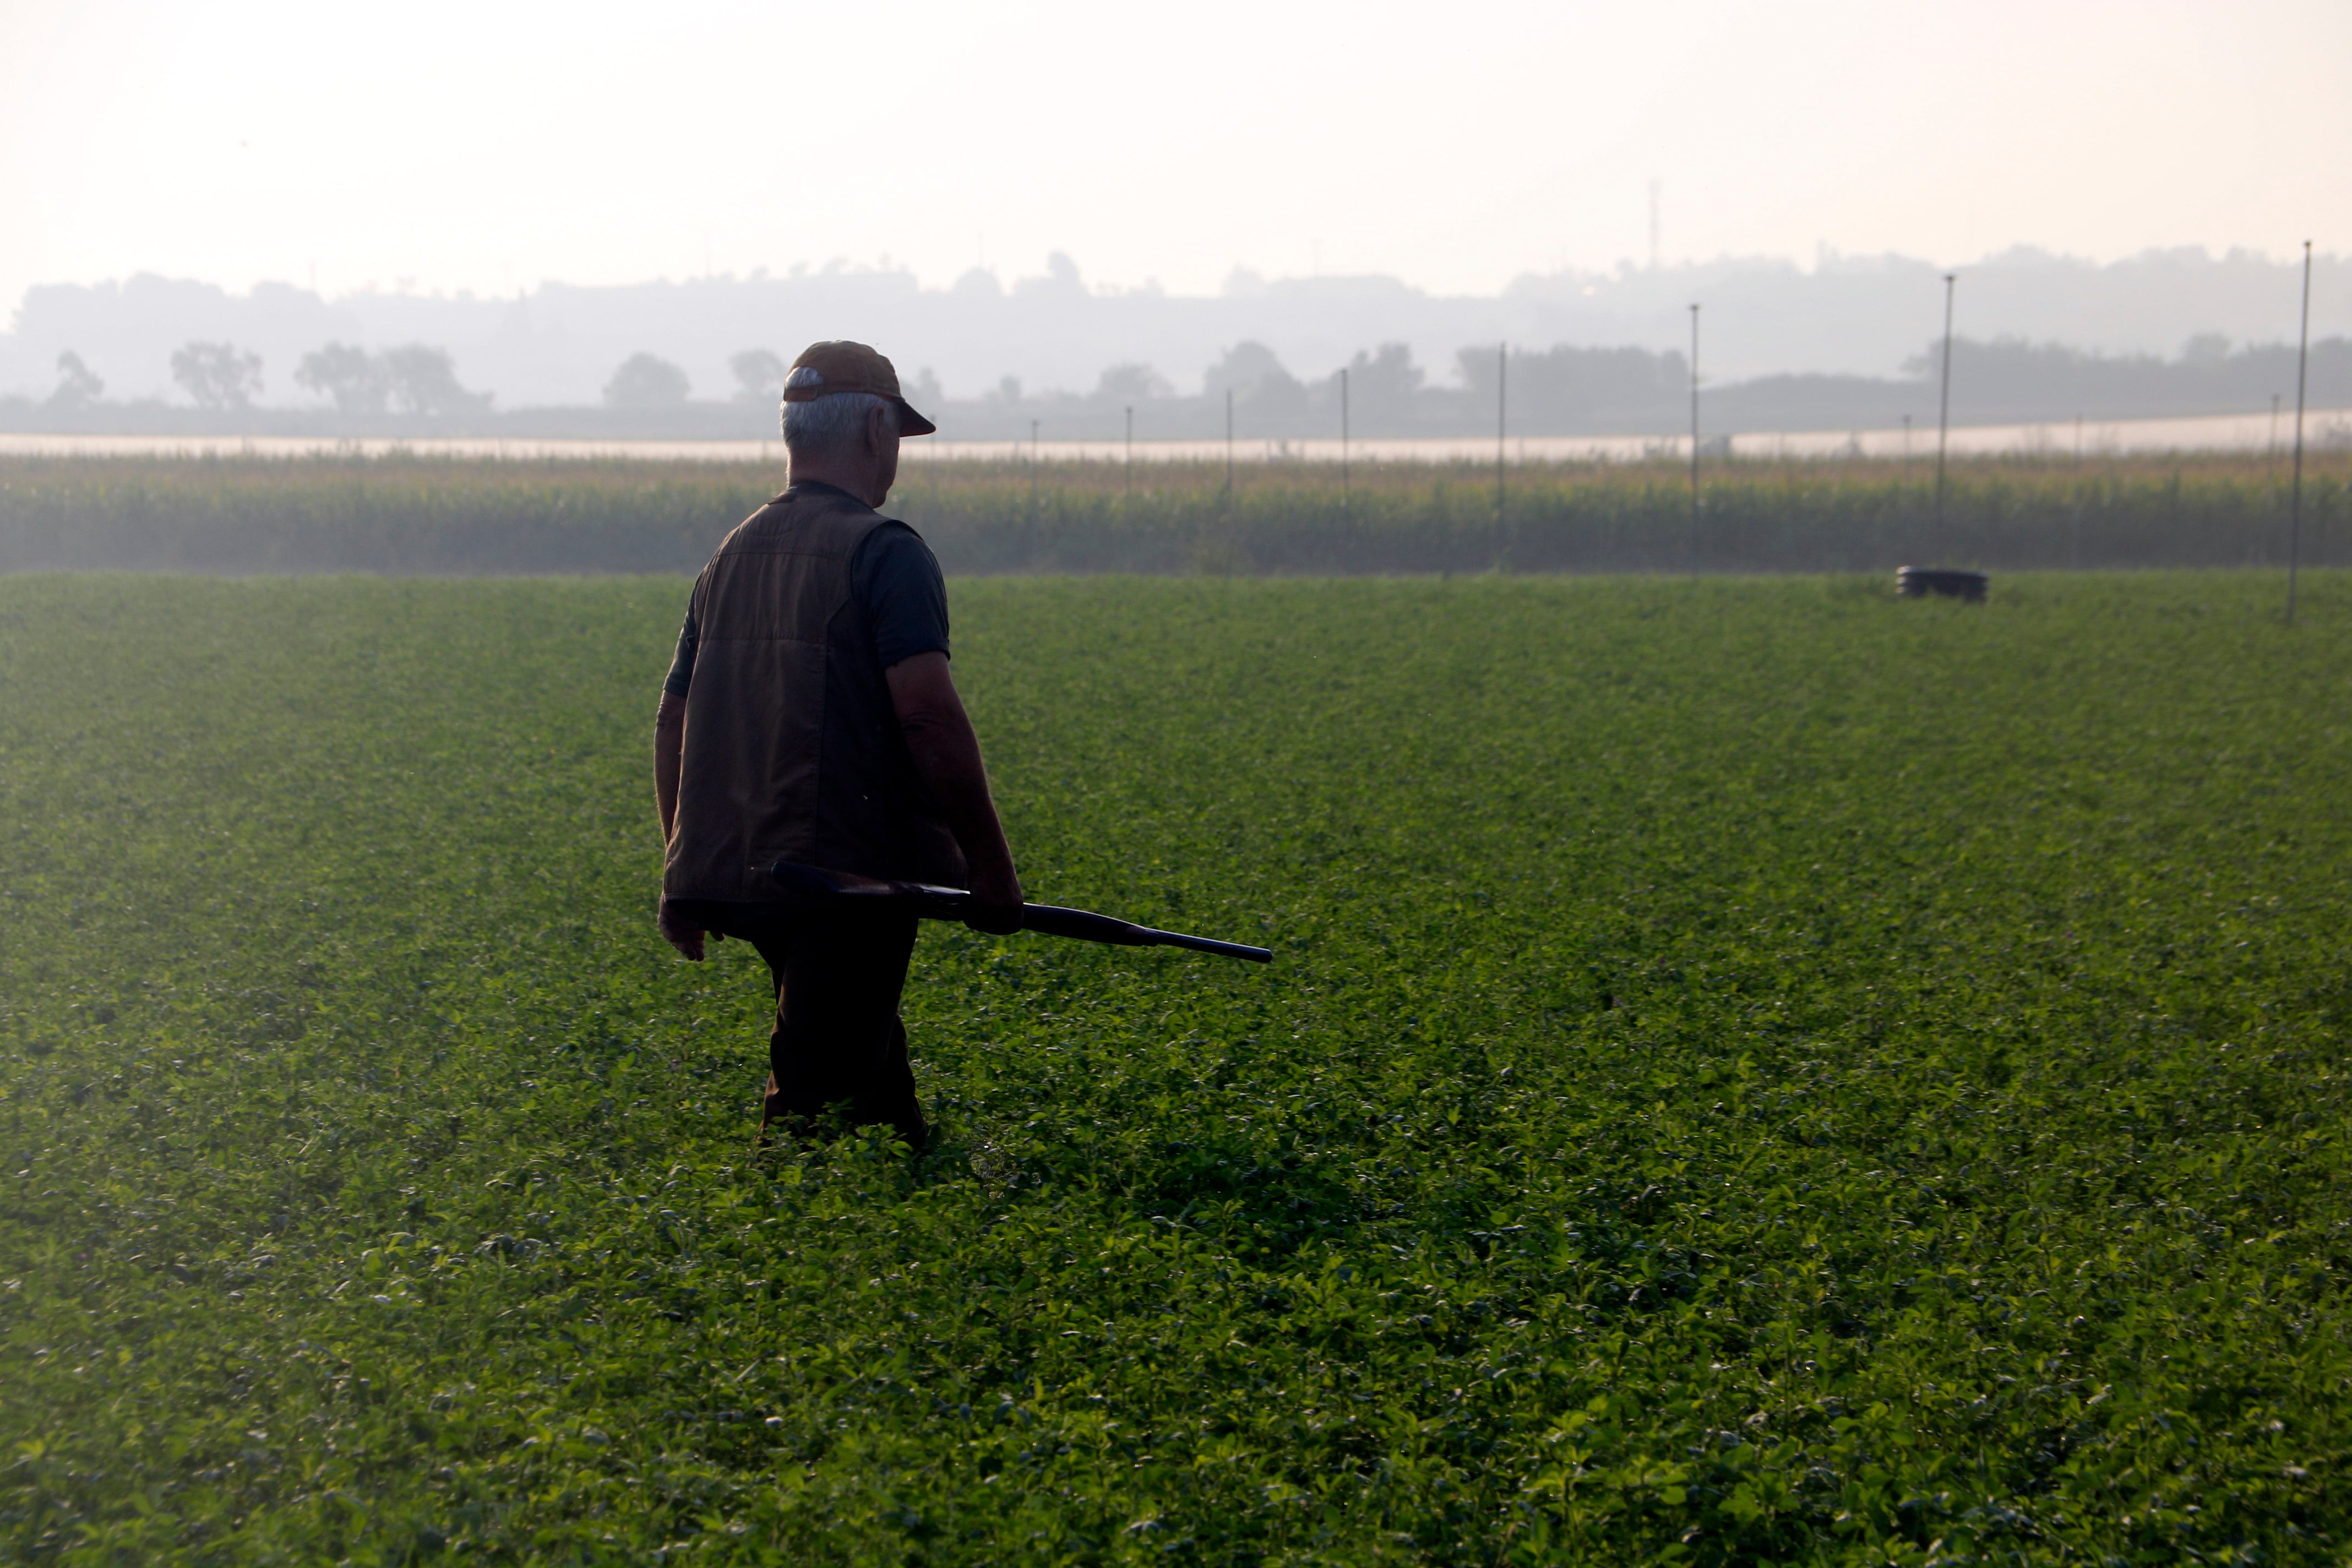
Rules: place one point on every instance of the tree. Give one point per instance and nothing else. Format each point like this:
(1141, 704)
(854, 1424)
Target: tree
(217, 375)
(2205, 348)
(411, 379)
(758, 375)
(77, 385)
(644, 382)
(425, 381)
(1566, 388)
(1262, 388)
(1127, 384)
(352, 377)
(1383, 387)
(1242, 367)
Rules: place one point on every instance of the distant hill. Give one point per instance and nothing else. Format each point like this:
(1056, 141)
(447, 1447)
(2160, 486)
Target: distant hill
(1849, 342)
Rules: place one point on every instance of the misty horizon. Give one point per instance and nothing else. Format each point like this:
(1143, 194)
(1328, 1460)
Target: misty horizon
(1054, 334)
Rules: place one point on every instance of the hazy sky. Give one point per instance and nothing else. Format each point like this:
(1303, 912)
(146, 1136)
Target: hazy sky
(489, 146)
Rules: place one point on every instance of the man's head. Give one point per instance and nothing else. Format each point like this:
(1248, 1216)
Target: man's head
(843, 416)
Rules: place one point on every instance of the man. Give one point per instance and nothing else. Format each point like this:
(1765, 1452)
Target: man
(809, 716)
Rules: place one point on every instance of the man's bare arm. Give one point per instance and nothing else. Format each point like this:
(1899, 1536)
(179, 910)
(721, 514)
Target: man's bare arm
(947, 753)
(669, 749)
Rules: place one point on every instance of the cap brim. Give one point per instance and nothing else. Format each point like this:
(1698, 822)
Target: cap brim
(911, 423)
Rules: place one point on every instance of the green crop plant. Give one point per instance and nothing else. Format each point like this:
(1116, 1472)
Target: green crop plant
(1755, 1070)
(450, 516)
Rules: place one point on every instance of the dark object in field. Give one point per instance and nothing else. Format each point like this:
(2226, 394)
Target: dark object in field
(954, 903)
(1919, 582)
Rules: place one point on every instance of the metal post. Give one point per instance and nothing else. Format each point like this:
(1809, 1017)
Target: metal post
(2295, 508)
(1502, 404)
(1343, 444)
(2076, 535)
(2076, 550)
(1694, 473)
(1944, 411)
(1229, 446)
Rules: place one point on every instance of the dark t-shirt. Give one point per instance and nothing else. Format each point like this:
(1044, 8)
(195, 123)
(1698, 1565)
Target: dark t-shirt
(897, 582)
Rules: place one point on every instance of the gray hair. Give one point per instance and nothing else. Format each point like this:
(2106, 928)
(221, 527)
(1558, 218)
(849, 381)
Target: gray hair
(831, 425)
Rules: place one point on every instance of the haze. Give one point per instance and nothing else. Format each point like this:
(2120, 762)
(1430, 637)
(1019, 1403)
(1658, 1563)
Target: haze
(445, 147)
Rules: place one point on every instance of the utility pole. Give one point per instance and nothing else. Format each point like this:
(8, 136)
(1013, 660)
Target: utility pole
(2295, 509)
(1502, 404)
(1694, 474)
(1343, 444)
(1944, 410)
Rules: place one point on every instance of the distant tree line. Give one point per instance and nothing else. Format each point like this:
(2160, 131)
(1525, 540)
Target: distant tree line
(1571, 391)
(220, 377)
(1563, 390)
(412, 379)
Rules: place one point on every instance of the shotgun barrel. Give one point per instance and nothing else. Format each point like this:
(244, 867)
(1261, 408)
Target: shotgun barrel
(938, 903)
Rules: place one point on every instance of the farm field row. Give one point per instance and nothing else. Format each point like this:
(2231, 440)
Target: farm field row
(1755, 1071)
(476, 516)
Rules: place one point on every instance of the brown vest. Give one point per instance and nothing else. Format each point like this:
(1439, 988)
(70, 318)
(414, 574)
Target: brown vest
(793, 749)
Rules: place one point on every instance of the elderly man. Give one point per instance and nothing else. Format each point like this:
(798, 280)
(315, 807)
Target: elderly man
(809, 716)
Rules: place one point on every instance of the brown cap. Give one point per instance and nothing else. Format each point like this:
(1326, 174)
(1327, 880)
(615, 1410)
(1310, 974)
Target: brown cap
(840, 365)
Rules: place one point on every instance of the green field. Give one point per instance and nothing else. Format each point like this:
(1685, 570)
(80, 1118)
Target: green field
(1756, 1072)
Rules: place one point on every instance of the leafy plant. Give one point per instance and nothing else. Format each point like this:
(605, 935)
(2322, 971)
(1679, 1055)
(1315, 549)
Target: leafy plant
(1756, 1072)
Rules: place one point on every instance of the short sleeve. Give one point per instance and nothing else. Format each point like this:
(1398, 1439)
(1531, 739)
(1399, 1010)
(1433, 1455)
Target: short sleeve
(681, 664)
(898, 584)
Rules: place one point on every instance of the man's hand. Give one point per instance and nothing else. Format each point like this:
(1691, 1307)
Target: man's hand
(669, 743)
(683, 935)
(999, 901)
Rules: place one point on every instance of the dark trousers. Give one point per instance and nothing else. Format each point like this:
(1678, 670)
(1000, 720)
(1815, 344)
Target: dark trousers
(839, 1039)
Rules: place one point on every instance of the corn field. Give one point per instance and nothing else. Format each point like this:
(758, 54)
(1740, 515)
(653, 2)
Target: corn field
(406, 514)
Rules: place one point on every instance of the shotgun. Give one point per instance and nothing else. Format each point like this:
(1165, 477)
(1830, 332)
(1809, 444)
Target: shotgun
(954, 903)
